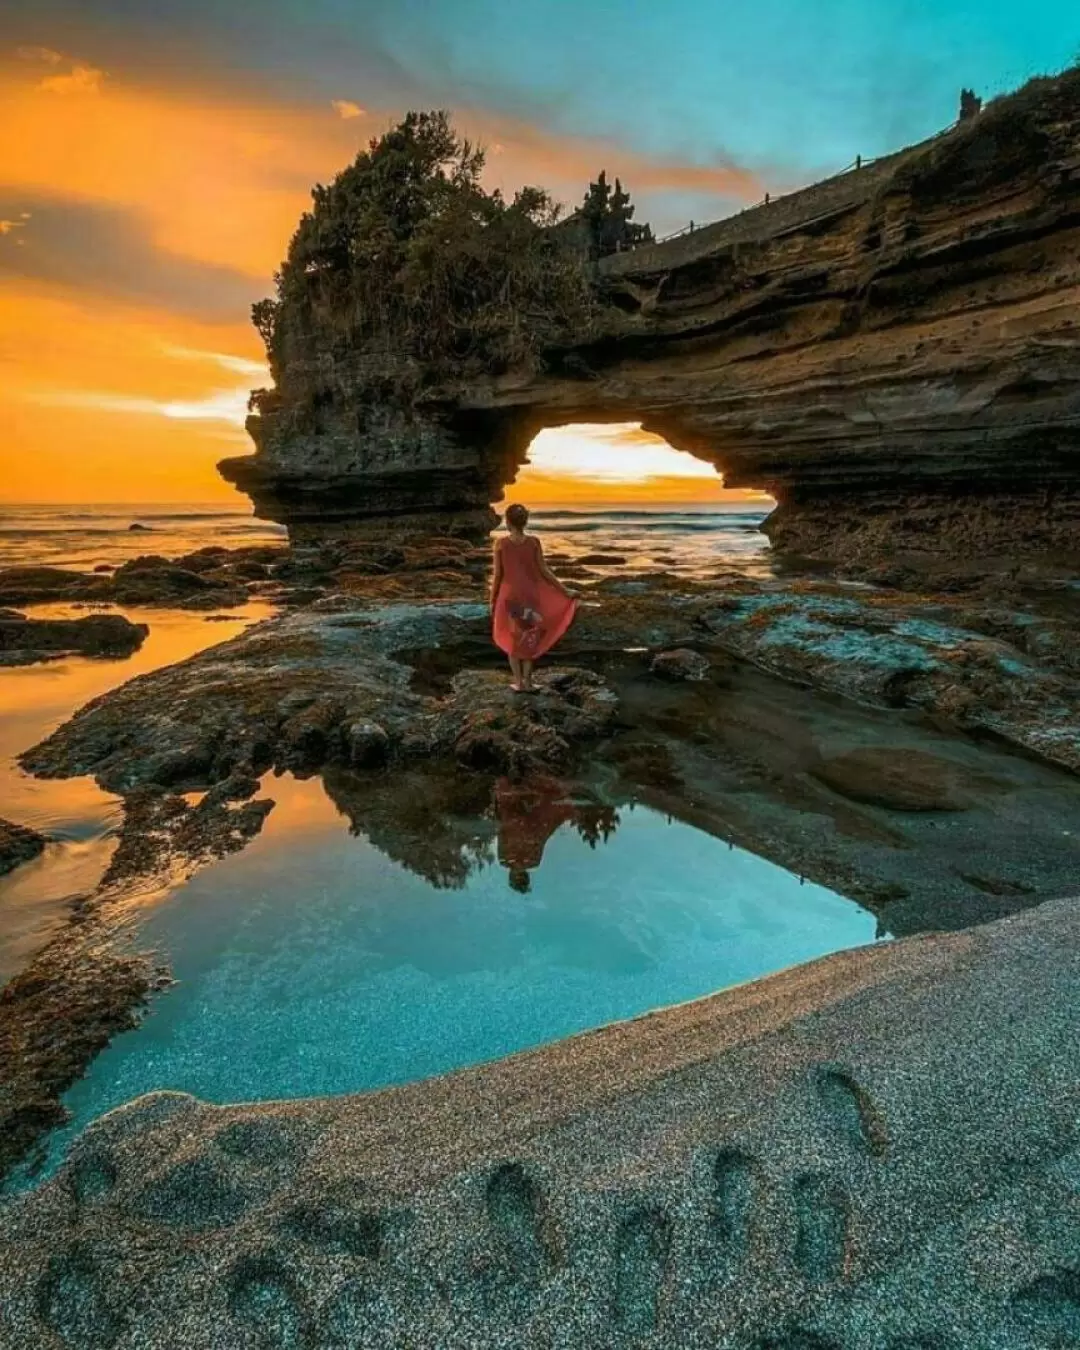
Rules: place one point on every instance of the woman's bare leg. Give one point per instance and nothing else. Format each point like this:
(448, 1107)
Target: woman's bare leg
(526, 674)
(515, 672)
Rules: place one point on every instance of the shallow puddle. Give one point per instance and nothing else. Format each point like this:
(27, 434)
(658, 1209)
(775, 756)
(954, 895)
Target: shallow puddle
(313, 963)
(77, 815)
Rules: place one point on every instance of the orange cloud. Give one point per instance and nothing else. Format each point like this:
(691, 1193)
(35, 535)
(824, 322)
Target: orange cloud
(347, 110)
(119, 393)
(616, 463)
(564, 165)
(45, 55)
(103, 403)
(79, 79)
(548, 489)
(215, 181)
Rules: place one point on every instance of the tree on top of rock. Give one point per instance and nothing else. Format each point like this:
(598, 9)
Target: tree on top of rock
(609, 213)
(410, 269)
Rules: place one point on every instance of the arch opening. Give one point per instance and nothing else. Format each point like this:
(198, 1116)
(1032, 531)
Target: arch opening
(618, 464)
(613, 490)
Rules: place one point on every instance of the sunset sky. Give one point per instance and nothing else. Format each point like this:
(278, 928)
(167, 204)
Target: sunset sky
(156, 154)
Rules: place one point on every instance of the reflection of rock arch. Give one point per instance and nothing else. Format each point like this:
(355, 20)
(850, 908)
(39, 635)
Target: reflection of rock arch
(434, 822)
(444, 825)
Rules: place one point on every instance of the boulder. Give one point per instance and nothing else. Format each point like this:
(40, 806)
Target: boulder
(681, 663)
(491, 728)
(504, 742)
(145, 562)
(368, 744)
(238, 787)
(600, 560)
(18, 844)
(145, 582)
(35, 585)
(204, 559)
(156, 582)
(301, 595)
(24, 641)
(311, 735)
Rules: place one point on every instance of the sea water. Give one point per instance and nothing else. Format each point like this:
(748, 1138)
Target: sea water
(313, 964)
(673, 538)
(84, 536)
(686, 540)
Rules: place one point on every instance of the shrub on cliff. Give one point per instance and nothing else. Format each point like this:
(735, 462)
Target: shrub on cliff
(609, 215)
(409, 270)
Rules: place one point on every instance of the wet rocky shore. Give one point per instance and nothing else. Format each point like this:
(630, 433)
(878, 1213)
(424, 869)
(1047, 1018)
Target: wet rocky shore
(909, 738)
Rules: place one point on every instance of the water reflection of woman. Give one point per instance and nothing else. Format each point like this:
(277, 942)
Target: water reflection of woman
(530, 812)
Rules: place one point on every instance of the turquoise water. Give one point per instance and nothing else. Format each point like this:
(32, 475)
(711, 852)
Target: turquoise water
(312, 963)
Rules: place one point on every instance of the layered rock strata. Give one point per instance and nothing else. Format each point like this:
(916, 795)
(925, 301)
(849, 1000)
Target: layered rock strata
(875, 1150)
(892, 354)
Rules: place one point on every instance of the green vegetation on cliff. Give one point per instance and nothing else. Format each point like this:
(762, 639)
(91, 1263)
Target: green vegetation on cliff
(609, 217)
(406, 272)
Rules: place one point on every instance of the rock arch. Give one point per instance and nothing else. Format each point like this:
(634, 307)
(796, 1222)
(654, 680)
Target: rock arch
(890, 354)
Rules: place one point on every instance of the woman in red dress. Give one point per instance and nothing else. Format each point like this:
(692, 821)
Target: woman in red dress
(530, 607)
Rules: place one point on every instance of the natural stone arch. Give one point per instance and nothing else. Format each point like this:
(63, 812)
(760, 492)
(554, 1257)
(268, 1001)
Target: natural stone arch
(438, 472)
(891, 357)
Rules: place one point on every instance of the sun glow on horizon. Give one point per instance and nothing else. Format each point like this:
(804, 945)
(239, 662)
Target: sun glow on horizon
(616, 462)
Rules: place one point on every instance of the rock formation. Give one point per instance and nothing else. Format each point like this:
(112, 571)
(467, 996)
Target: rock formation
(24, 641)
(387, 685)
(891, 353)
(18, 844)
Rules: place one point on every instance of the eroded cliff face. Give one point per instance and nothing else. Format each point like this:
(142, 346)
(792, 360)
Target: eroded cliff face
(895, 355)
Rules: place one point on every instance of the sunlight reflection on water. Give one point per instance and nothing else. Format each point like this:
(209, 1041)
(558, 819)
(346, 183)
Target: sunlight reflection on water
(74, 812)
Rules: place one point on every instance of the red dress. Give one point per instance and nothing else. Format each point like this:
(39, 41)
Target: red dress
(530, 614)
(528, 816)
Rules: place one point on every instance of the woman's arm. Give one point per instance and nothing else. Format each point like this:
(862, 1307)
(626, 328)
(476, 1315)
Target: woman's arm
(545, 570)
(496, 572)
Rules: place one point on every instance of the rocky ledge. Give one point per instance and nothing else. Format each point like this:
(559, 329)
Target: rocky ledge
(877, 1150)
(892, 354)
(338, 681)
(669, 696)
(218, 578)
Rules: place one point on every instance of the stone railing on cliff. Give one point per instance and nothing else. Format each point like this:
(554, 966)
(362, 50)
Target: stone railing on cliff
(893, 354)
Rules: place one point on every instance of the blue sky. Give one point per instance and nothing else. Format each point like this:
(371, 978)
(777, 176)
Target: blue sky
(801, 82)
(790, 86)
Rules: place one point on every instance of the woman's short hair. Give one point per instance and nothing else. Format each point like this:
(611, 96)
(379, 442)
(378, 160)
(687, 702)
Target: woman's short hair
(517, 516)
